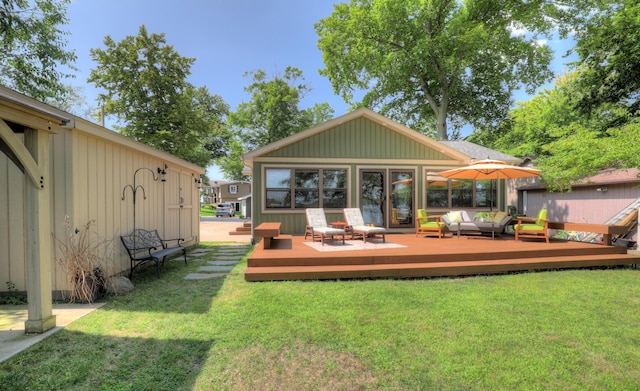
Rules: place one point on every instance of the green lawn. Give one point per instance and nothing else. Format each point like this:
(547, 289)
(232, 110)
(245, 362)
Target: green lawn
(207, 210)
(564, 330)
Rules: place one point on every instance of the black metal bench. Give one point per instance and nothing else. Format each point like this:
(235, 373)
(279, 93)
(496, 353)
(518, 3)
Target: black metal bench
(146, 246)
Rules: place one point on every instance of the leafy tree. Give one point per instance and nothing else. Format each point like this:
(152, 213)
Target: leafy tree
(453, 61)
(589, 121)
(608, 44)
(232, 165)
(146, 88)
(567, 143)
(32, 47)
(273, 113)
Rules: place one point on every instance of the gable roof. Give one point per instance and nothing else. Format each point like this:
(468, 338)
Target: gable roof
(456, 155)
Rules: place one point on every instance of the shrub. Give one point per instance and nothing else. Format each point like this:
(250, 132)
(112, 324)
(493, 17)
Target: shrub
(86, 260)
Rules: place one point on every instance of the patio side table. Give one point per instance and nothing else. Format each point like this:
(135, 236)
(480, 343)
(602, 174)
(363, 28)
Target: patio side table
(342, 225)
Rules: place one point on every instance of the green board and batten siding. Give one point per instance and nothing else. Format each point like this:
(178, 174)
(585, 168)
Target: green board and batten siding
(353, 144)
(360, 138)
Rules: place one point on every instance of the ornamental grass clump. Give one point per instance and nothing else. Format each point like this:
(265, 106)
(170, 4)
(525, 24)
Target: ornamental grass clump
(86, 260)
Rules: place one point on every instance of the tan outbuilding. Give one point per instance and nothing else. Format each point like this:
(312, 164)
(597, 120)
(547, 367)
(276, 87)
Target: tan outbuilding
(55, 165)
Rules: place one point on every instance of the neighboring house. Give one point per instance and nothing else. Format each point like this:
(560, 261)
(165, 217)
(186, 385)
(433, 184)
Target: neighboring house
(596, 200)
(54, 165)
(230, 192)
(210, 192)
(245, 206)
(364, 160)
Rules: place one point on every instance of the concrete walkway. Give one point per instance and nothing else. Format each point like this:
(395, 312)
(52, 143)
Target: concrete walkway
(215, 263)
(13, 340)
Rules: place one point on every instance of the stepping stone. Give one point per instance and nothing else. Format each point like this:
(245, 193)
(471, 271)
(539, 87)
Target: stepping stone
(223, 263)
(215, 268)
(200, 251)
(203, 276)
(228, 256)
(232, 252)
(227, 259)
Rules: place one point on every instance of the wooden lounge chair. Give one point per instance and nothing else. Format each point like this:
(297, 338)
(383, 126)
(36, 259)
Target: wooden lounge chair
(533, 229)
(424, 225)
(317, 226)
(354, 219)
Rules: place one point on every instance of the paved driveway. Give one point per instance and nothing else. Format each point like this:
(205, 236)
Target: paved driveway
(216, 229)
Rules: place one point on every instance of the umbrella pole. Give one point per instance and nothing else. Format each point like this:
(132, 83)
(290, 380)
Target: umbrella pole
(491, 193)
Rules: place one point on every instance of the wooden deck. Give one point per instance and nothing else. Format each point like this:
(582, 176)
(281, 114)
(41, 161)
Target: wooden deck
(291, 259)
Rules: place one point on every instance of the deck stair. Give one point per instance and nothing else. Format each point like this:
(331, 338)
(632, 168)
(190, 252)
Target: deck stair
(245, 229)
(627, 217)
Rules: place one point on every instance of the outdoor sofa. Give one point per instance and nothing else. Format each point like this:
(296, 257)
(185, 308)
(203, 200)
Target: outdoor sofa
(461, 222)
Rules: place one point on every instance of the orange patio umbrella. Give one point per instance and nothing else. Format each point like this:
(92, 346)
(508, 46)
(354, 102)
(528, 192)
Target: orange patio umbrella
(490, 169)
(433, 179)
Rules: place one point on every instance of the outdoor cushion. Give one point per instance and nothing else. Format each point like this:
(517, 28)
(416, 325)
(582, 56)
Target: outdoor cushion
(353, 216)
(316, 217)
(530, 227)
(542, 217)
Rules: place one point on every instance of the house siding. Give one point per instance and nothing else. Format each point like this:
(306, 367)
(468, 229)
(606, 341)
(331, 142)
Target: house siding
(89, 168)
(360, 138)
(584, 204)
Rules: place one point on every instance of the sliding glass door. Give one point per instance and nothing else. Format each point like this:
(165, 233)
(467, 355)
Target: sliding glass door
(379, 209)
(373, 197)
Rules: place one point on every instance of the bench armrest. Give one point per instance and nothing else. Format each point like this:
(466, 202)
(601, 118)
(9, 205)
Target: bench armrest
(177, 240)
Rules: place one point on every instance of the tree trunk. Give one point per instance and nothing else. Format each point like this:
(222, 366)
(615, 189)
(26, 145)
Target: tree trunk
(441, 123)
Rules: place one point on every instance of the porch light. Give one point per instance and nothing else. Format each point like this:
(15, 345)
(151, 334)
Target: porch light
(162, 173)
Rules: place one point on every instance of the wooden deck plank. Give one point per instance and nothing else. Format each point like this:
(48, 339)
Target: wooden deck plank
(429, 257)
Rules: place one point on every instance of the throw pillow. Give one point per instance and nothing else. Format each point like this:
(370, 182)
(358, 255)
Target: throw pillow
(455, 217)
(499, 216)
(481, 216)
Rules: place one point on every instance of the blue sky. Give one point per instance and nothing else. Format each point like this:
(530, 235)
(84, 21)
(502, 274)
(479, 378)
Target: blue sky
(226, 37)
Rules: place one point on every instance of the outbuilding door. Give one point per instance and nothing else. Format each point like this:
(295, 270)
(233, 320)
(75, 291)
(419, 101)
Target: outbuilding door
(179, 201)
